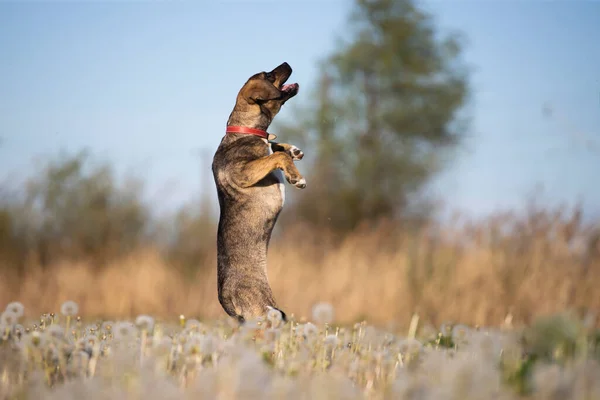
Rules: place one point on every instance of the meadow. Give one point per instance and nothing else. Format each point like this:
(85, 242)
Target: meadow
(501, 308)
(63, 356)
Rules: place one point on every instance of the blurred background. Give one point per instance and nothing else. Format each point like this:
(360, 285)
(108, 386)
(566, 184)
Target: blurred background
(452, 153)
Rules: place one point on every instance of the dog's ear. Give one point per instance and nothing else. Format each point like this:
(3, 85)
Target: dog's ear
(260, 90)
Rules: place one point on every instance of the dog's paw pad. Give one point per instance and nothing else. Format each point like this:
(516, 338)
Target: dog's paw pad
(296, 153)
(301, 184)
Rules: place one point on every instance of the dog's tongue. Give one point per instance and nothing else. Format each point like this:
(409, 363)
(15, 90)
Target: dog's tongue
(290, 87)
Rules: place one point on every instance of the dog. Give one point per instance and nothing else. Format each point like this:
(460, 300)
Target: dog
(247, 169)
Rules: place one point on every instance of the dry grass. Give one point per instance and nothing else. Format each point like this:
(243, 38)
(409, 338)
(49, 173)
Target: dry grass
(472, 272)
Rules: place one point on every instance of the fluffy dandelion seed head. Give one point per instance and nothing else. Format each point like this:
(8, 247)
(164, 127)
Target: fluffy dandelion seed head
(16, 308)
(56, 331)
(331, 341)
(323, 313)
(18, 328)
(192, 345)
(207, 344)
(446, 329)
(310, 330)
(145, 323)
(124, 331)
(274, 317)
(410, 347)
(460, 333)
(162, 346)
(36, 339)
(193, 325)
(107, 326)
(91, 340)
(69, 308)
(9, 318)
(272, 334)
(79, 360)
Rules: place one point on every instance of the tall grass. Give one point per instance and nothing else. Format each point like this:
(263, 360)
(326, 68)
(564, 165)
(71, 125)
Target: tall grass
(475, 272)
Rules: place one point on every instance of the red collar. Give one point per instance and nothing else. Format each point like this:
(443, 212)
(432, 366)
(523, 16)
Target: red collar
(250, 131)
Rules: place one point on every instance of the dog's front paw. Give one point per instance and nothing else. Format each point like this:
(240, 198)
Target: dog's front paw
(295, 153)
(299, 182)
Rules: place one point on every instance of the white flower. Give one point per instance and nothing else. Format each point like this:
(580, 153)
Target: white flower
(90, 340)
(207, 344)
(16, 308)
(145, 323)
(460, 334)
(446, 329)
(69, 308)
(309, 329)
(124, 331)
(323, 313)
(272, 334)
(193, 325)
(107, 326)
(331, 341)
(274, 316)
(411, 347)
(56, 331)
(9, 318)
(36, 339)
(78, 362)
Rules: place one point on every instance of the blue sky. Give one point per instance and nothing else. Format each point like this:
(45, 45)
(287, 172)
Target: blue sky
(146, 85)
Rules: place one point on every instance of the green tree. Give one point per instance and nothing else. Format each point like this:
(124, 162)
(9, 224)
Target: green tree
(384, 116)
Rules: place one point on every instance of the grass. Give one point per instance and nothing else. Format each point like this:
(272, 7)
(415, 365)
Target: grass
(475, 272)
(62, 355)
(373, 315)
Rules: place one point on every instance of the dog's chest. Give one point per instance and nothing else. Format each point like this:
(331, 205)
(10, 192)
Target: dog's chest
(279, 175)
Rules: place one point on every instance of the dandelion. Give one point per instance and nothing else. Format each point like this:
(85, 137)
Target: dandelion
(446, 329)
(16, 308)
(428, 333)
(460, 334)
(323, 313)
(69, 309)
(78, 362)
(145, 323)
(410, 349)
(274, 317)
(90, 340)
(9, 318)
(309, 330)
(272, 334)
(124, 331)
(331, 341)
(18, 330)
(107, 326)
(36, 339)
(207, 344)
(193, 325)
(56, 332)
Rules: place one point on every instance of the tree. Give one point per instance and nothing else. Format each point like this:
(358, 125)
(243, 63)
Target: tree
(385, 114)
(74, 209)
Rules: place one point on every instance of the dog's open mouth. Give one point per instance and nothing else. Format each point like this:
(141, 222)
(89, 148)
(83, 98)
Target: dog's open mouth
(290, 89)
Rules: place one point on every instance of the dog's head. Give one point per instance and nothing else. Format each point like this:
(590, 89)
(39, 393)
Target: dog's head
(266, 92)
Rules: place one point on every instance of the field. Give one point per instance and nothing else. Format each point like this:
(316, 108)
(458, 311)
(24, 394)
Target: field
(63, 356)
(495, 309)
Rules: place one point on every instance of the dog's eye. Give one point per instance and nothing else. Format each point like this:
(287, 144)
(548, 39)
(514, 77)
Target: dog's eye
(269, 76)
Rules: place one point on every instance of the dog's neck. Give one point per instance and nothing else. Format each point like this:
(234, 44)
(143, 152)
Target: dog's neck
(249, 119)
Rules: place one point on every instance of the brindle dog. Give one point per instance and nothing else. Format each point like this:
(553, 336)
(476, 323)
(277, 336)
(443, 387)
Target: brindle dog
(247, 172)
